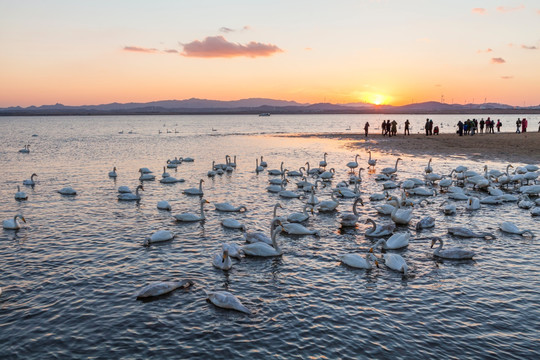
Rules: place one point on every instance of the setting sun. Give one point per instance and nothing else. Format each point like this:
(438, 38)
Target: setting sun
(376, 99)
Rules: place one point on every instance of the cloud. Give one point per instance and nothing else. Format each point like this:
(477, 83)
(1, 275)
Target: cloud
(505, 9)
(497, 61)
(528, 47)
(170, 51)
(219, 47)
(507, 77)
(227, 30)
(480, 11)
(139, 49)
(488, 50)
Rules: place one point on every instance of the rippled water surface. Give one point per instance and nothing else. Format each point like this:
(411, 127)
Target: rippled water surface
(70, 274)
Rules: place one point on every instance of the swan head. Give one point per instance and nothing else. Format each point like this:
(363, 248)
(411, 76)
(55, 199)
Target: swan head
(225, 255)
(146, 242)
(433, 242)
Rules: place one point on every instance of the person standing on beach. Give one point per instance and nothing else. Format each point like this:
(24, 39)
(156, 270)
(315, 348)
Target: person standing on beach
(482, 126)
(426, 126)
(431, 127)
(407, 124)
(524, 124)
(394, 128)
(366, 128)
(383, 126)
(518, 125)
(499, 124)
(460, 128)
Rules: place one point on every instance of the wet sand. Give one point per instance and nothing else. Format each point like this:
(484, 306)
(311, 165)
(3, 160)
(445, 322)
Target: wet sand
(510, 147)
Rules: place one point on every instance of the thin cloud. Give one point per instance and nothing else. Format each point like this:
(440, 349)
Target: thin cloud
(480, 11)
(139, 49)
(488, 50)
(497, 61)
(505, 9)
(507, 77)
(170, 51)
(528, 47)
(219, 47)
(227, 30)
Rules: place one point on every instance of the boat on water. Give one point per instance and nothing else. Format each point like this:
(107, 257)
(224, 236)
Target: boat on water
(264, 114)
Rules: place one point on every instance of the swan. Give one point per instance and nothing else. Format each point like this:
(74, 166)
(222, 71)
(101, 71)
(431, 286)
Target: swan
(353, 164)
(171, 164)
(145, 171)
(467, 233)
(233, 224)
(161, 288)
(385, 209)
(493, 191)
(396, 241)
(274, 213)
(530, 190)
(395, 262)
(350, 219)
(511, 228)
(278, 181)
(25, 150)
(529, 167)
(449, 209)
(328, 205)
(159, 236)
(258, 168)
(165, 173)
(427, 222)
(146, 176)
(276, 188)
(313, 171)
(400, 216)
(508, 198)
(298, 217)
(323, 162)
(227, 207)
(378, 196)
(459, 196)
(357, 261)
(525, 202)
(454, 253)
(327, 175)
(289, 194)
(346, 193)
(263, 249)
(446, 183)
(391, 170)
(211, 172)
(422, 191)
(379, 230)
(164, 205)
(491, 200)
(226, 300)
(30, 181)
(313, 200)
(535, 211)
(189, 217)
(20, 195)
(68, 190)
(259, 236)
(296, 173)
(222, 260)
(473, 203)
(407, 184)
(390, 185)
(371, 162)
(124, 189)
(356, 179)
(432, 177)
(297, 229)
(383, 177)
(275, 171)
(232, 163)
(113, 173)
(428, 169)
(195, 191)
(263, 163)
(170, 180)
(130, 196)
(234, 250)
(13, 224)
(186, 159)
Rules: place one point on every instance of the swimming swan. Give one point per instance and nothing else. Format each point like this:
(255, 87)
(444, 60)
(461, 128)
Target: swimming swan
(298, 217)
(454, 253)
(222, 260)
(189, 217)
(263, 249)
(20, 195)
(130, 196)
(359, 262)
(69, 191)
(233, 224)
(350, 219)
(159, 236)
(396, 241)
(390, 170)
(30, 181)
(113, 173)
(379, 230)
(226, 300)
(164, 205)
(162, 287)
(511, 228)
(227, 207)
(195, 191)
(13, 224)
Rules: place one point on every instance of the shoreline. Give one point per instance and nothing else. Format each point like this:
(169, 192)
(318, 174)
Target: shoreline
(504, 146)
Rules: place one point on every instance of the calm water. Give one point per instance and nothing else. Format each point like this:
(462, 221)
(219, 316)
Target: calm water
(70, 274)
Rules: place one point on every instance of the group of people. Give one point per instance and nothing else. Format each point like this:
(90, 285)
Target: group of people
(430, 130)
(523, 124)
(470, 127)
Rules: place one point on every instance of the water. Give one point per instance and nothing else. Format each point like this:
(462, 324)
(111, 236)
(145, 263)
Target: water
(70, 274)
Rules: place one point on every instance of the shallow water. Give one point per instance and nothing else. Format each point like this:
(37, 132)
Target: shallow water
(70, 274)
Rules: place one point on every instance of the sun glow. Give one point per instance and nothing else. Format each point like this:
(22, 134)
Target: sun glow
(376, 99)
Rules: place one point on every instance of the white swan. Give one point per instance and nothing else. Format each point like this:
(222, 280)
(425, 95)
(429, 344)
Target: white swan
(378, 196)
(353, 164)
(328, 205)
(146, 176)
(189, 217)
(226, 300)
(161, 288)
(68, 190)
(113, 173)
(235, 251)
(353, 179)
(130, 196)
(350, 194)
(222, 260)
(164, 205)
(422, 191)
(448, 209)
(227, 207)
(511, 228)
(170, 180)
(427, 222)
(359, 262)
(30, 181)
(195, 191)
(297, 229)
(385, 209)
(145, 170)
(396, 263)
(212, 172)
(313, 200)
(263, 249)
(473, 203)
(371, 162)
(390, 170)
(259, 236)
(298, 217)
(428, 169)
(327, 175)
(233, 224)
(396, 241)
(25, 150)
(379, 230)
(13, 224)
(20, 195)
(187, 159)
(159, 236)
(263, 163)
(165, 173)
(454, 253)
(323, 162)
(124, 189)
(288, 194)
(275, 171)
(258, 168)
(400, 216)
(296, 173)
(467, 233)
(350, 219)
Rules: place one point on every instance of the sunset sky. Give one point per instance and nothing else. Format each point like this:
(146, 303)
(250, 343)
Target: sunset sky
(388, 51)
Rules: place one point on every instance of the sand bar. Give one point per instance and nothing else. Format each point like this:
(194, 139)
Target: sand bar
(508, 147)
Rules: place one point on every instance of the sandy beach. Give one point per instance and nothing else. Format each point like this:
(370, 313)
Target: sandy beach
(511, 147)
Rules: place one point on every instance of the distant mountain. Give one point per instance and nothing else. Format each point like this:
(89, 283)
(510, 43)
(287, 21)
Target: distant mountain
(261, 105)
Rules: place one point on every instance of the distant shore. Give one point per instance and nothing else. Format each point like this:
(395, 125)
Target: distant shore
(511, 147)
